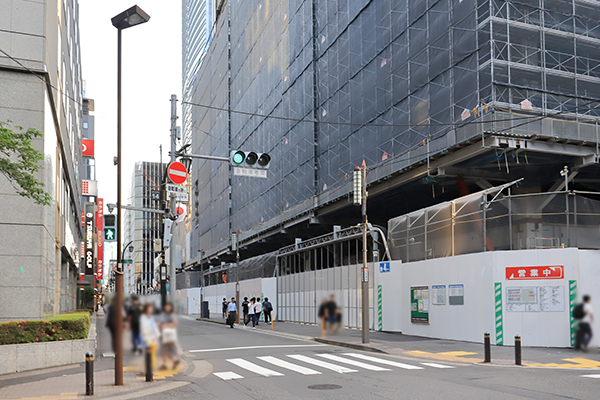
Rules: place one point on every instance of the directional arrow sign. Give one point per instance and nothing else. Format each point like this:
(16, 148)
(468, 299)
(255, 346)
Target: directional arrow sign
(177, 172)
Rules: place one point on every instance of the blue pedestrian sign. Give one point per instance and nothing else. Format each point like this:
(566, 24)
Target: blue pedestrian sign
(384, 267)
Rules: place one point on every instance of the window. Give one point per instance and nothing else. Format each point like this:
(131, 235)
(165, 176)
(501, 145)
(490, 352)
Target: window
(85, 125)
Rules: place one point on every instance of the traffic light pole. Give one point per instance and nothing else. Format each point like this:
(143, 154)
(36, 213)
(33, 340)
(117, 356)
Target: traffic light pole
(172, 198)
(365, 270)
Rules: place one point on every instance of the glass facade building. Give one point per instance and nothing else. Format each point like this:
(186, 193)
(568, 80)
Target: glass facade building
(322, 85)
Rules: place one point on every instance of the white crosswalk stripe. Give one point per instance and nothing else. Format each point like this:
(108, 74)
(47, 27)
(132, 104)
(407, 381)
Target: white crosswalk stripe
(597, 376)
(434, 365)
(353, 362)
(382, 361)
(257, 369)
(288, 365)
(228, 375)
(322, 364)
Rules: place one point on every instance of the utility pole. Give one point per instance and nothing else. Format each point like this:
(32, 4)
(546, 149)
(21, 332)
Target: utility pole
(172, 198)
(365, 269)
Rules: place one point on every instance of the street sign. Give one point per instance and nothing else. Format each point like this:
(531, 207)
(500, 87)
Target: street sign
(177, 172)
(250, 172)
(532, 273)
(384, 267)
(155, 195)
(181, 193)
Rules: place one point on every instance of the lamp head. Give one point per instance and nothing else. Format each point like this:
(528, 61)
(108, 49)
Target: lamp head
(130, 17)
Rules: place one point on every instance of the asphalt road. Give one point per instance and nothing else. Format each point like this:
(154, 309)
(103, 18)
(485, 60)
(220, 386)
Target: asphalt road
(240, 363)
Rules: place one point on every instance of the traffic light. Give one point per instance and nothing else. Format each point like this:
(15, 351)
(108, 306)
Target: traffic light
(249, 159)
(110, 228)
(110, 234)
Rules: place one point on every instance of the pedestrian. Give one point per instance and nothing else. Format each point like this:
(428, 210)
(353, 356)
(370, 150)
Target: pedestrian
(133, 318)
(323, 315)
(257, 309)
(251, 312)
(231, 312)
(245, 304)
(586, 319)
(111, 320)
(268, 308)
(169, 348)
(331, 319)
(224, 307)
(149, 331)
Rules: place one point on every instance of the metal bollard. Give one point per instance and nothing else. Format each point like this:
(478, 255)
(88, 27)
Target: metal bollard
(517, 350)
(487, 349)
(149, 373)
(89, 373)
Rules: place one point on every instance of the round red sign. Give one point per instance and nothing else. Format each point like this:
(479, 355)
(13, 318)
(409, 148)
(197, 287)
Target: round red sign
(177, 172)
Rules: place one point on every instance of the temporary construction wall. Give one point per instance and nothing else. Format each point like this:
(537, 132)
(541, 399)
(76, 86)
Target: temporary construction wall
(486, 307)
(188, 300)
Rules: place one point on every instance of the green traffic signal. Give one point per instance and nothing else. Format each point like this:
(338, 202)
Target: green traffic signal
(238, 157)
(109, 234)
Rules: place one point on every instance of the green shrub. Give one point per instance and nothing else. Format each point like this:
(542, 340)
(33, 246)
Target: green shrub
(63, 327)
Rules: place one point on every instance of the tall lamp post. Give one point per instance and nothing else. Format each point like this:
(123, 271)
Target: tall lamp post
(128, 18)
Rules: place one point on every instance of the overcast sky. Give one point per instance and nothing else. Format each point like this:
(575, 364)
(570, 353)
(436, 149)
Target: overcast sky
(151, 62)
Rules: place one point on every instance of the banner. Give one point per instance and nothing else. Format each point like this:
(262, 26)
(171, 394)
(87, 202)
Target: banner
(88, 255)
(100, 239)
(87, 147)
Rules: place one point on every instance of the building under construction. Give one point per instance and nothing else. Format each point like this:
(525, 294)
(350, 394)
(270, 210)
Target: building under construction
(440, 99)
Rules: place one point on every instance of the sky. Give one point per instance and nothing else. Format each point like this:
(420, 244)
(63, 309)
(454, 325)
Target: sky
(151, 73)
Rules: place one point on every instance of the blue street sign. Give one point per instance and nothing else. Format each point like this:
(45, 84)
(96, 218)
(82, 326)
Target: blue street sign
(384, 267)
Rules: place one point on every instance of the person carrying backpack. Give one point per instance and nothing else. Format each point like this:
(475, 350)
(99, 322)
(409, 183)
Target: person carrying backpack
(268, 309)
(225, 305)
(584, 313)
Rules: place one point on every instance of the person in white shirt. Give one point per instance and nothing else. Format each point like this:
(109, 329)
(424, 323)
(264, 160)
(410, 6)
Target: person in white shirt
(584, 333)
(257, 309)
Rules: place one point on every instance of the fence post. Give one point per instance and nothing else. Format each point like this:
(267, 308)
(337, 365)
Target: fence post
(487, 350)
(517, 350)
(89, 373)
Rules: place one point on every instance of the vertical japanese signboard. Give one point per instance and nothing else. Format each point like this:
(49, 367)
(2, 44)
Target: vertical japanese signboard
(88, 255)
(419, 304)
(100, 236)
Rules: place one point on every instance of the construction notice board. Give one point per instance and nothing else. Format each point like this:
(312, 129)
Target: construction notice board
(419, 304)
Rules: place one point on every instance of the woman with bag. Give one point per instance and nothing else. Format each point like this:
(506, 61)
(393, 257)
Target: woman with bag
(169, 344)
(149, 331)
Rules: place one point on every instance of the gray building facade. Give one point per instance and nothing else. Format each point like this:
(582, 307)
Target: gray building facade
(439, 98)
(41, 88)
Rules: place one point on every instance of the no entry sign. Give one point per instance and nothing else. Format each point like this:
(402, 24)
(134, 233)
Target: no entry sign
(177, 172)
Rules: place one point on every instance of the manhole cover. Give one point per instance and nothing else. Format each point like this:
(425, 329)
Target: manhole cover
(325, 386)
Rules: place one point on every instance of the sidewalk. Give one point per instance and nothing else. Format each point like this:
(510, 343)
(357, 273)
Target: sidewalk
(416, 347)
(68, 382)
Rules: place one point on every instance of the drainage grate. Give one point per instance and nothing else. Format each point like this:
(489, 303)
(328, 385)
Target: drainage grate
(325, 386)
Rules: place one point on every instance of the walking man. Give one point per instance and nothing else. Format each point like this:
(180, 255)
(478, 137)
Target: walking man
(251, 312)
(584, 333)
(224, 304)
(257, 309)
(268, 308)
(133, 317)
(245, 310)
(331, 307)
(231, 312)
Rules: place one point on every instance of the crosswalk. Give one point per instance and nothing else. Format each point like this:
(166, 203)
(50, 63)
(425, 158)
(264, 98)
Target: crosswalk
(314, 365)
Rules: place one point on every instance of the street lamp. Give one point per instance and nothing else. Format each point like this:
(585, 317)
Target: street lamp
(128, 18)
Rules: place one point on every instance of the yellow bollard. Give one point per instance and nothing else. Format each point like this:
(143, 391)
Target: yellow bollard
(271, 321)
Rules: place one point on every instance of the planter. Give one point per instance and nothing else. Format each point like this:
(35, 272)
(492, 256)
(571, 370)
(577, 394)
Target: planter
(30, 356)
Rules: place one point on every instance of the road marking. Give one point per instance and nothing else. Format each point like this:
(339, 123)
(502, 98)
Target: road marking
(226, 376)
(257, 369)
(258, 347)
(287, 365)
(434, 365)
(353, 362)
(597, 376)
(382, 361)
(322, 364)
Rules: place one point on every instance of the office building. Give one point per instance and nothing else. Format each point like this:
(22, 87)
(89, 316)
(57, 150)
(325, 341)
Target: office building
(40, 76)
(438, 98)
(142, 227)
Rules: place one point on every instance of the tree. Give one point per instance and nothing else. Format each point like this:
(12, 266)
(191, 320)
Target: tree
(19, 161)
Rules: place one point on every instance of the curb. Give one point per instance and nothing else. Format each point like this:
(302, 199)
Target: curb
(350, 345)
(214, 321)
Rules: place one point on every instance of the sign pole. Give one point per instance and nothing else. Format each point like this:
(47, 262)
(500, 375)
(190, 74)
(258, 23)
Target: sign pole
(365, 270)
(172, 197)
